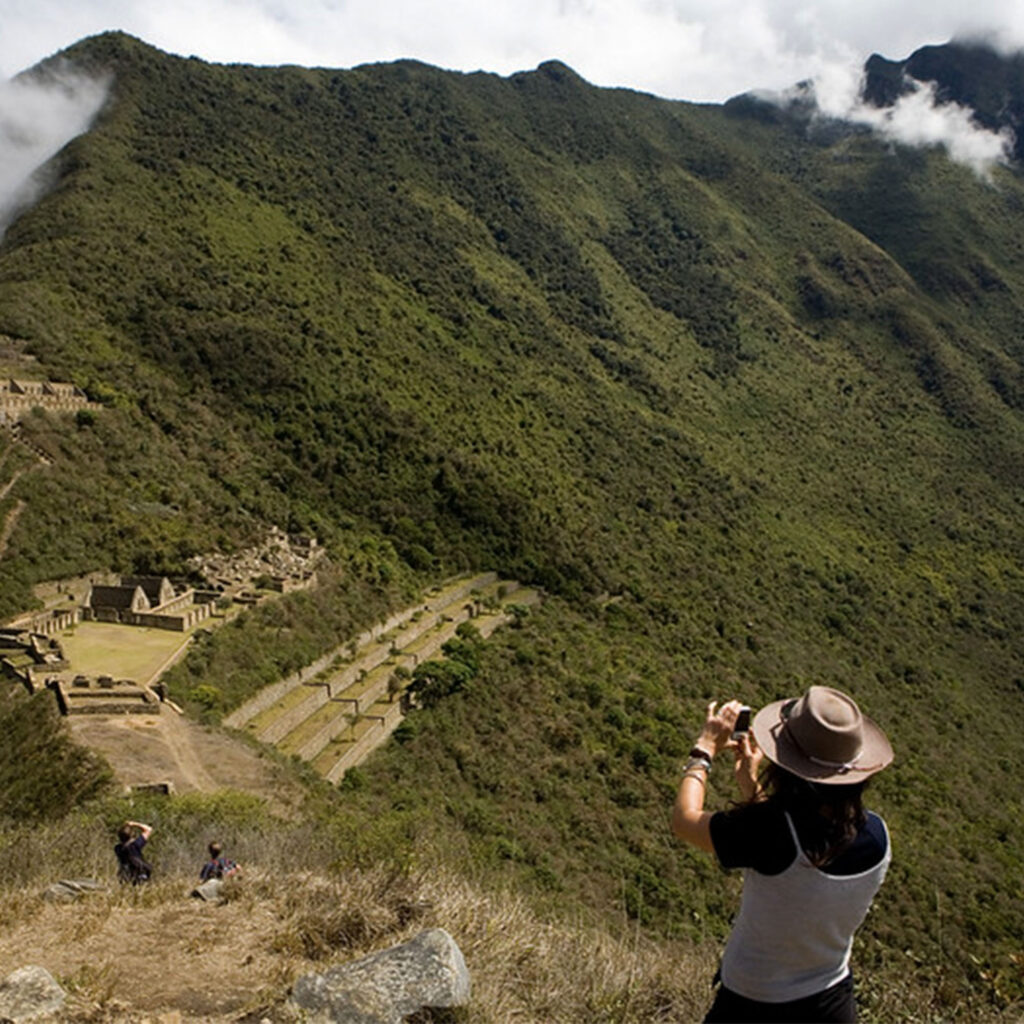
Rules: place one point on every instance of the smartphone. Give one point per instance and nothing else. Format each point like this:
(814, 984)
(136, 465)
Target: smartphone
(742, 723)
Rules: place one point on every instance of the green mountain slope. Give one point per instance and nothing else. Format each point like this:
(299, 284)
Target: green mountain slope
(746, 401)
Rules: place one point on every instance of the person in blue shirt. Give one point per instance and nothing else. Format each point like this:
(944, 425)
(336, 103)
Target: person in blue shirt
(812, 857)
(131, 865)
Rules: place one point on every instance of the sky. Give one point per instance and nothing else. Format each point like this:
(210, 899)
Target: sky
(701, 50)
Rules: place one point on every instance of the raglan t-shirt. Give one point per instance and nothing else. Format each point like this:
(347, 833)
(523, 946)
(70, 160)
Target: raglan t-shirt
(757, 836)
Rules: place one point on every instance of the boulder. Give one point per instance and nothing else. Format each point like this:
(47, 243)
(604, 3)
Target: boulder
(386, 987)
(29, 994)
(67, 890)
(212, 890)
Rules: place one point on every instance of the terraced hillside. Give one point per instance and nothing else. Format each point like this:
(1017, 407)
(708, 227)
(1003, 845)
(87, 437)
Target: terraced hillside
(334, 712)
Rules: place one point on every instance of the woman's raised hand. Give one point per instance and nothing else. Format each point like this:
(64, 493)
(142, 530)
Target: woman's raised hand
(716, 735)
(748, 765)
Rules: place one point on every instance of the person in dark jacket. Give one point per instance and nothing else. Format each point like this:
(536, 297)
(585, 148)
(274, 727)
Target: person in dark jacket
(132, 867)
(812, 857)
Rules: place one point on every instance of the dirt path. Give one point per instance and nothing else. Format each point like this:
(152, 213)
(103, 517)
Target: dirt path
(177, 736)
(167, 747)
(6, 489)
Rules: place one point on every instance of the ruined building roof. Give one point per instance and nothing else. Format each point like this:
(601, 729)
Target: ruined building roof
(121, 598)
(158, 589)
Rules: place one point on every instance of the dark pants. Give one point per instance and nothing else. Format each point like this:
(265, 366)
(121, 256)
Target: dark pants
(833, 1006)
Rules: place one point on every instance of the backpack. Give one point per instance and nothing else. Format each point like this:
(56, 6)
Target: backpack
(222, 867)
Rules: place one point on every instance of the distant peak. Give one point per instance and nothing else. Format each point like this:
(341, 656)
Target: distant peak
(971, 73)
(562, 74)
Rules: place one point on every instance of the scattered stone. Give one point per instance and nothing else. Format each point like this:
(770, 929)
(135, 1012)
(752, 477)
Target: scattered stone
(28, 994)
(160, 788)
(212, 890)
(280, 559)
(67, 890)
(384, 988)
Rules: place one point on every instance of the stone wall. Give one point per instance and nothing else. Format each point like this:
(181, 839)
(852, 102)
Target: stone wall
(324, 735)
(281, 726)
(177, 621)
(19, 398)
(370, 740)
(49, 622)
(269, 695)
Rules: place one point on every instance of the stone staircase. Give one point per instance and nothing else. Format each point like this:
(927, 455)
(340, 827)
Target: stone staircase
(336, 711)
(19, 436)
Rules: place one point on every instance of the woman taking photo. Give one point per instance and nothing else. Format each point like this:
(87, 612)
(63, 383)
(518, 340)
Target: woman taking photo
(813, 858)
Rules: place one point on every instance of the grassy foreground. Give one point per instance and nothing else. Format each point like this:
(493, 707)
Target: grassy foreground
(305, 903)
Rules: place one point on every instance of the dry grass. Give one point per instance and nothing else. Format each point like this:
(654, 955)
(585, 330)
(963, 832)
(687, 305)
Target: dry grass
(131, 953)
(153, 953)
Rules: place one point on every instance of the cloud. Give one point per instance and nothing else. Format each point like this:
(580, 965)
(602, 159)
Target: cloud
(916, 119)
(38, 117)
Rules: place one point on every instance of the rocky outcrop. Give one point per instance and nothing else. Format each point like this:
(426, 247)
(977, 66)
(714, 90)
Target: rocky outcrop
(384, 988)
(29, 994)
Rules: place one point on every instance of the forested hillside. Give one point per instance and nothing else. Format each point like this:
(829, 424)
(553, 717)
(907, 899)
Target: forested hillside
(746, 398)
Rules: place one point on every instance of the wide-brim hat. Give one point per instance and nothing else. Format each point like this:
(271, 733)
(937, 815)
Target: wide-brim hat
(822, 737)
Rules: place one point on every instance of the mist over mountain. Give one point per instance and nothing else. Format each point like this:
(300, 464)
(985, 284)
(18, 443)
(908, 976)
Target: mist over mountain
(39, 115)
(742, 388)
(962, 97)
(988, 83)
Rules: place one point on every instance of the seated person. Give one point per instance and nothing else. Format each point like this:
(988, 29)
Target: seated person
(217, 866)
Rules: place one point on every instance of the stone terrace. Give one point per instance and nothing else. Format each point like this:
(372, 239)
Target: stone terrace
(334, 712)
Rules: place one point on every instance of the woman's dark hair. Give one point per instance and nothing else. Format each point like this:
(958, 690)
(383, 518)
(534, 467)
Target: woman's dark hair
(827, 818)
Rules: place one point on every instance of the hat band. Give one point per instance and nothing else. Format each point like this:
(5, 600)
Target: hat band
(840, 766)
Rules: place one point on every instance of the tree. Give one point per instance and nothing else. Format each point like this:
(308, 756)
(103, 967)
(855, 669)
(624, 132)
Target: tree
(434, 680)
(397, 681)
(519, 613)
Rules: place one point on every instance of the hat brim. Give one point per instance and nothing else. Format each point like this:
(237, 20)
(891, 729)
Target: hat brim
(779, 747)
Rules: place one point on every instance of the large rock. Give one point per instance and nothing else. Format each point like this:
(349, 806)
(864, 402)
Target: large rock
(386, 987)
(212, 890)
(67, 890)
(29, 994)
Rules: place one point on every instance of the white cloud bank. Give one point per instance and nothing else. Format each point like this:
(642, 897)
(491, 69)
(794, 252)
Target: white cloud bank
(916, 119)
(37, 119)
